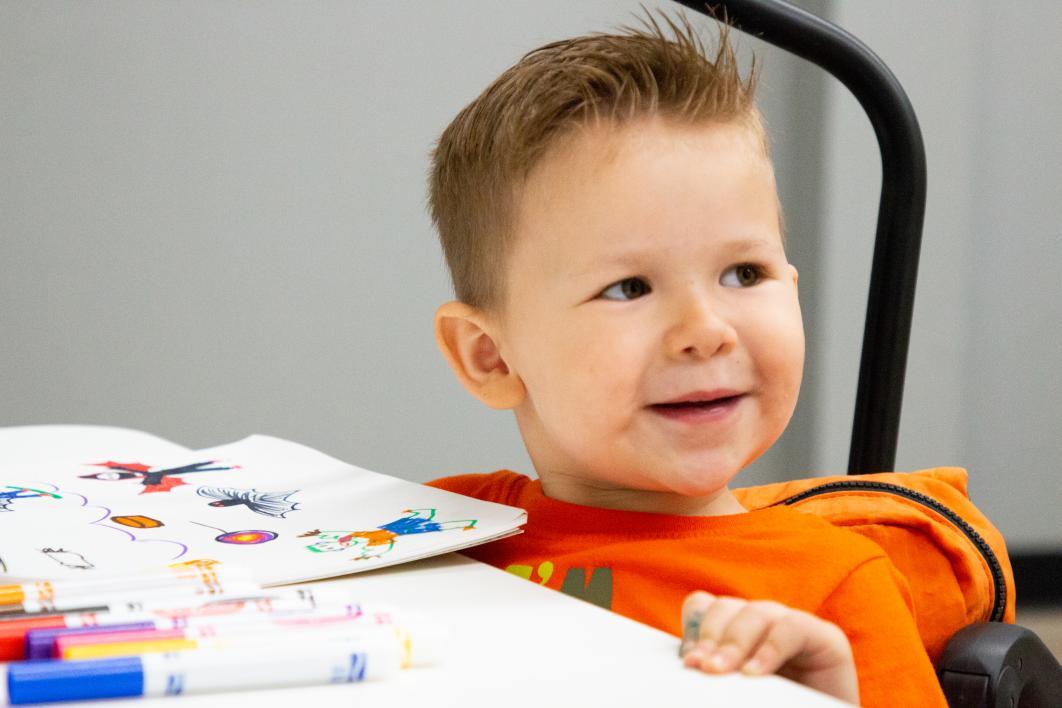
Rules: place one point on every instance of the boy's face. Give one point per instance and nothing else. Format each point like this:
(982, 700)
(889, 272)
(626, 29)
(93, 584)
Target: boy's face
(648, 267)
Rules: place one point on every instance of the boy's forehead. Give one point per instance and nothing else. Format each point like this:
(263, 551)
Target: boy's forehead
(587, 156)
(598, 145)
(577, 165)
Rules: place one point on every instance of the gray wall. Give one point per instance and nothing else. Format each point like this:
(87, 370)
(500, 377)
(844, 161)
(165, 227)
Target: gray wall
(212, 223)
(983, 388)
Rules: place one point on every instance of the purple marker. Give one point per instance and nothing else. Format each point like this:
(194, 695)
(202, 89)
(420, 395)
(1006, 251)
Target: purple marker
(40, 643)
(279, 603)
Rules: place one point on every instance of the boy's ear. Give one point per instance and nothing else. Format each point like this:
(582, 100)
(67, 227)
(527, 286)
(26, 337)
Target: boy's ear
(465, 338)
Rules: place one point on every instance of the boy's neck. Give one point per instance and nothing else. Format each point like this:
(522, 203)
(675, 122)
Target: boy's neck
(577, 491)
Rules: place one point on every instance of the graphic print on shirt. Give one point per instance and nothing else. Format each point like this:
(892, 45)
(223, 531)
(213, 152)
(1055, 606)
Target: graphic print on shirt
(545, 571)
(597, 590)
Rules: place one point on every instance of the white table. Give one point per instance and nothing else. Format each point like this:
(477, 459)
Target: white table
(515, 644)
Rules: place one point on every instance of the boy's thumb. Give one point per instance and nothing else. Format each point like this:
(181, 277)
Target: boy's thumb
(693, 608)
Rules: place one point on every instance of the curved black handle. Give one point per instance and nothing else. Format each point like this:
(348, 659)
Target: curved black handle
(901, 211)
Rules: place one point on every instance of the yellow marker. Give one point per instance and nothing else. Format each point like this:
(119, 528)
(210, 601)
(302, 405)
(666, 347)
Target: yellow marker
(154, 646)
(411, 651)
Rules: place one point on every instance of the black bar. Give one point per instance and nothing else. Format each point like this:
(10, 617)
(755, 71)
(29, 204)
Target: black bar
(901, 210)
(1038, 574)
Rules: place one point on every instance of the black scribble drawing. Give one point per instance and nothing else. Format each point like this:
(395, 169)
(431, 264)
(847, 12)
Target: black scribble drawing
(68, 559)
(275, 504)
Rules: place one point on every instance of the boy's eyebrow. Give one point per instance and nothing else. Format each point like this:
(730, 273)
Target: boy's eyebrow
(636, 257)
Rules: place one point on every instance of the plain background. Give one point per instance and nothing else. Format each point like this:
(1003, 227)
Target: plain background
(213, 223)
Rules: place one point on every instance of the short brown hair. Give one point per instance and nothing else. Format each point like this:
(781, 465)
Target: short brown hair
(484, 157)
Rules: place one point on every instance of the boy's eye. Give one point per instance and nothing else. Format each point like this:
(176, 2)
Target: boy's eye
(626, 289)
(742, 276)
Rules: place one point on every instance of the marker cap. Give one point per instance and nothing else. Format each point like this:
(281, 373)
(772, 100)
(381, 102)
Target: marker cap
(47, 680)
(40, 643)
(13, 634)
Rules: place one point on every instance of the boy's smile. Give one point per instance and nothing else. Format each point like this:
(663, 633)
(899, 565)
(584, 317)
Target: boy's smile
(651, 316)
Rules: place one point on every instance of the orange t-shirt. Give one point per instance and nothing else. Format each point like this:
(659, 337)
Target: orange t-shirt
(643, 565)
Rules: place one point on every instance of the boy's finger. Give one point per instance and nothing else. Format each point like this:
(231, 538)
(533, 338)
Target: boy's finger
(696, 602)
(785, 638)
(810, 651)
(717, 616)
(693, 608)
(744, 633)
(712, 620)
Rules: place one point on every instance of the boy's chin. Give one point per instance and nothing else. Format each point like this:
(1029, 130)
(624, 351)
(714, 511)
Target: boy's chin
(704, 487)
(700, 498)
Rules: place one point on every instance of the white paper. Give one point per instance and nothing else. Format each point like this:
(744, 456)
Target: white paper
(286, 512)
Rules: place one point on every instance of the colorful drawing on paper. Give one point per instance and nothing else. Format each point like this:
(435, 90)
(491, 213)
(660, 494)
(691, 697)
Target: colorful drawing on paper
(137, 521)
(275, 504)
(106, 516)
(9, 494)
(68, 559)
(250, 537)
(153, 480)
(74, 506)
(380, 540)
(247, 537)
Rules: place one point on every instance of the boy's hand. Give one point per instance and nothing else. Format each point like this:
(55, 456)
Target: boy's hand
(723, 634)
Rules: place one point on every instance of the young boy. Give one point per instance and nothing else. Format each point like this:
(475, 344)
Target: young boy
(609, 215)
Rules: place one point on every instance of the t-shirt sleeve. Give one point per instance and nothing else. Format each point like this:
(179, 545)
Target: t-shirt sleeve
(495, 487)
(458, 483)
(873, 608)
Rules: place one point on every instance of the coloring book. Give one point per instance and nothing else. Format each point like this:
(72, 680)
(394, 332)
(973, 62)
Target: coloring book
(84, 501)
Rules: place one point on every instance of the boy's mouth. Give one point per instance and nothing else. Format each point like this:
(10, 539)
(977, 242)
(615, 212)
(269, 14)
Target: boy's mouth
(700, 398)
(699, 405)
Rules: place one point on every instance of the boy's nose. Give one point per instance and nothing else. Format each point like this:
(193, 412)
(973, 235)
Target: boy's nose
(699, 330)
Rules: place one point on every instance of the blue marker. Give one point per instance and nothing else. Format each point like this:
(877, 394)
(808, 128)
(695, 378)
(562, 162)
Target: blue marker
(292, 663)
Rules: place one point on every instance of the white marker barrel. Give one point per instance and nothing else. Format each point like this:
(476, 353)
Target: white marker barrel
(214, 670)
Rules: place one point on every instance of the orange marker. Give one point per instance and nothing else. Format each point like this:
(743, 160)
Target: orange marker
(71, 595)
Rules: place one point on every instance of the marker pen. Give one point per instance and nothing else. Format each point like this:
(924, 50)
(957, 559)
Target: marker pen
(51, 643)
(14, 630)
(418, 645)
(101, 601)
(45, 589)
(205, 671)
(60, 595)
